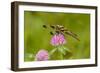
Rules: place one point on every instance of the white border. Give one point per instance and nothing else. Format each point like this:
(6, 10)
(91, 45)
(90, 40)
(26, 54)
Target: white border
(23, 64)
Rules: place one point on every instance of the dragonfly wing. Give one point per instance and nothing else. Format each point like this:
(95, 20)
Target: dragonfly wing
(51, 33)
(44, 26)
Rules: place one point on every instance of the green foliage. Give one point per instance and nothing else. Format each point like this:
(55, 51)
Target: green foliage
(36, 37)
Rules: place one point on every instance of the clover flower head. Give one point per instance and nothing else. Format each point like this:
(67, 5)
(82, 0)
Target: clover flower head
(58, 39)
(42, 55)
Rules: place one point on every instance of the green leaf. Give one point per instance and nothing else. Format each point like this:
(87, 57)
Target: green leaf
(53, 50)
(61, 50)
(66, 49)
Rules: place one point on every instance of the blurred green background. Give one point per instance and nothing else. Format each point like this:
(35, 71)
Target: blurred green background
(36, 37)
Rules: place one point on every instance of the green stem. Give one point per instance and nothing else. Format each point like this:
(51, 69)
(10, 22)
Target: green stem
(60, 54)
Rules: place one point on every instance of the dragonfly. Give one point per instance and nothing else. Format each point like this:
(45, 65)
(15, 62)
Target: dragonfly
(60, 29)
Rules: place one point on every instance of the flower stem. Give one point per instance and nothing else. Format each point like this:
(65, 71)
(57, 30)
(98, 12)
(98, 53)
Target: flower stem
(60, 54)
